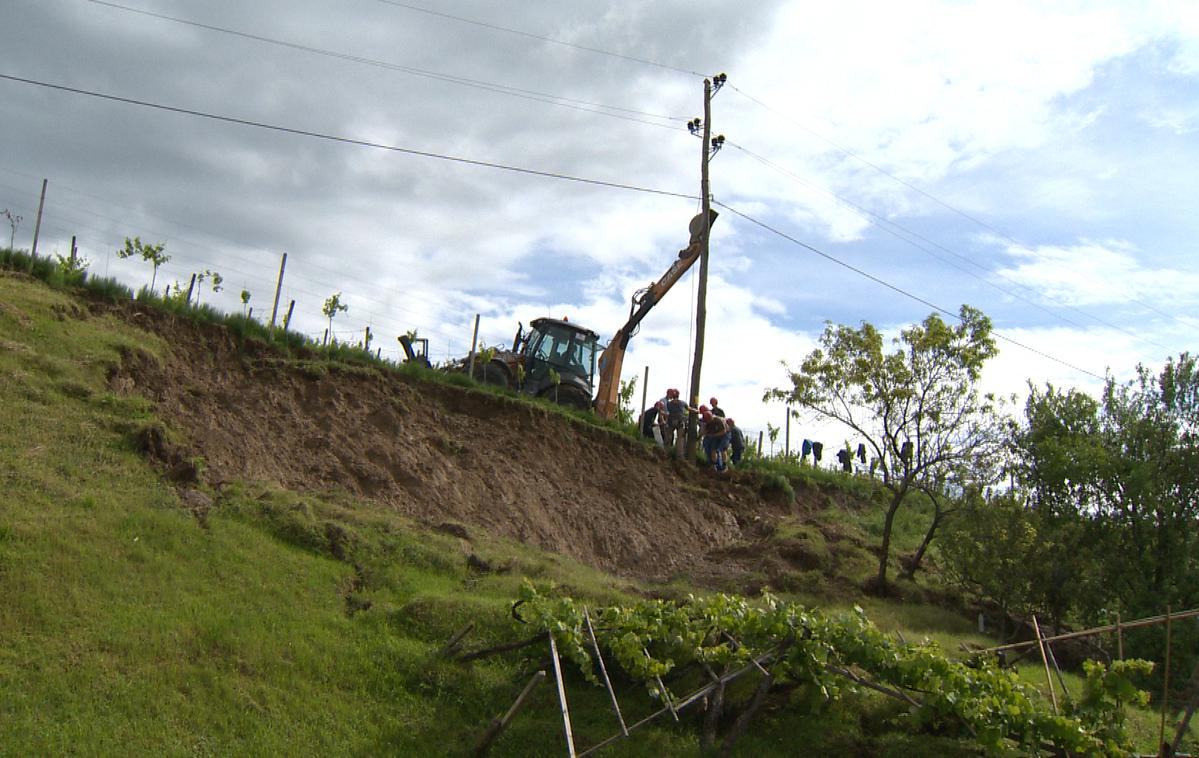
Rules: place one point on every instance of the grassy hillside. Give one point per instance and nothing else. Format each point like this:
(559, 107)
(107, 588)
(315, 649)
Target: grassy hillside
(145, 617)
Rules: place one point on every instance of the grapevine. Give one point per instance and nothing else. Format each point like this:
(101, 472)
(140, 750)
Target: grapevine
(837, 654)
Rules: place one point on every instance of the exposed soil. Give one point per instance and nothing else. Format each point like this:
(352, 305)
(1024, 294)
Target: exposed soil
(435, 453)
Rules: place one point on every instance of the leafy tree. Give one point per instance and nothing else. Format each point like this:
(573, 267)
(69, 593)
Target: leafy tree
(72, 266)
(918, 407)
(245, 301)
(332, 307)
(1121, 474)
(152, 254)
(772, 432)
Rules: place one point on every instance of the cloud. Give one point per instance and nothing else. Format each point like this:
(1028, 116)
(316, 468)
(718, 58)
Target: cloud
(1098, 273)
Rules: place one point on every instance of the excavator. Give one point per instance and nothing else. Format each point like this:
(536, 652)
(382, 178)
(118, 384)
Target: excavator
(555, 358)
(607, 397)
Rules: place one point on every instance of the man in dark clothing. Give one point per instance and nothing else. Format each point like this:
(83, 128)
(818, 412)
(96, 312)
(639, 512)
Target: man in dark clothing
(716, 409)
(716, 437)
(652, 417)
(676, 417)
(817, 451)
(736, 441)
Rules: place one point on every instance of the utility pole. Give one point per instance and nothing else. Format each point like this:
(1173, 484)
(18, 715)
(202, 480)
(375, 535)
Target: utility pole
(701, 299)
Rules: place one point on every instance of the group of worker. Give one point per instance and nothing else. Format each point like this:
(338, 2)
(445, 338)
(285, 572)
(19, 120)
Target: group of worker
(723, 441)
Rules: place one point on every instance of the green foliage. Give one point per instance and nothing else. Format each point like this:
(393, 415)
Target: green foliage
(918, 407)
(149, 252)
(830, 654)
(624, 409)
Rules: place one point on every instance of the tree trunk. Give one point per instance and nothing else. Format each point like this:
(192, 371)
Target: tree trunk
(916, 559)
(880, 581)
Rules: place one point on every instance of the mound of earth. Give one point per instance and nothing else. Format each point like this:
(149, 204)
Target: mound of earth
(433, 452)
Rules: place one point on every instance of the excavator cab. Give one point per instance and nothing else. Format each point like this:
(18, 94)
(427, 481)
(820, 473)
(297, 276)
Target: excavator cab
(568, 350)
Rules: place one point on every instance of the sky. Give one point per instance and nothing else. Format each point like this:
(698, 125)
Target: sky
(432, 161)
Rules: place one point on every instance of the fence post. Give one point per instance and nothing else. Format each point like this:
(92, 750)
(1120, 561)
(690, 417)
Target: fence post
(787, 439)
(73, 249)
(644, 393)
(287, 318)
(190, 287)
(473, 341)
(278, 288)
(37, 225)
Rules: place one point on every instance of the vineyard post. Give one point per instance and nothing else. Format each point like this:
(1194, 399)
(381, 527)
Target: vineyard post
(191, 287)
(470, 370)
(1119, 637)
(278, 289)
(287, 318)
(787, 437)
(760, 448)
(604, 670)
(73, 251)
(1048, 678)
(250, 314)
(37, 225)
(1161, 737)
(1190, 711)
(498, 725)
(570, 740)
(644, 392)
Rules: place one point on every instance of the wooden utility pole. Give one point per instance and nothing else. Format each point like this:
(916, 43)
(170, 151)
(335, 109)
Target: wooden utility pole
(37, 225)
(701, 299)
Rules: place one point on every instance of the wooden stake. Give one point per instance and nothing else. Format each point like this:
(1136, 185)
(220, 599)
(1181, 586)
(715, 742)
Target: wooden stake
(1161, 737)
(1190, 711)
(570, 740)
(470, 369)
(1119, 637)
(278, 289)
(191, 287)
(287, 318)
(604, 671)
(1048, 677)
(456, 641)
(498, 725)
(644, 393)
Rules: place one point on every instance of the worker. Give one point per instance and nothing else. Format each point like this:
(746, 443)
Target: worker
(653, 417)
(736, 440)
(676, 417)
(716, 437)
(716, 409)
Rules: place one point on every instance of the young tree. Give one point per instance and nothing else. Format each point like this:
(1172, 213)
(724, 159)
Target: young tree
(918, 407)
(13, 222)
(152, 254)
(245, 301)
(215, 278)
(332, 307)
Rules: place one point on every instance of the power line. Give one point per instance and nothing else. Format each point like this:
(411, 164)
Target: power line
(346, 140)
(893, 287)
(541, 38)
(884, 224)
(612, 111)
(923, 193)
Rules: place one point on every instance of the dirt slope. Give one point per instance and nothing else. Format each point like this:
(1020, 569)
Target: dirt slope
(433, 452)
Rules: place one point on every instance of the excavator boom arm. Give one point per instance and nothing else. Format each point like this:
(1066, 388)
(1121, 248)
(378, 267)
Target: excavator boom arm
(607, 397)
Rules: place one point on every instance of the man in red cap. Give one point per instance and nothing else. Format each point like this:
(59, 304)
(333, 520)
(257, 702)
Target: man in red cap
(716, 437)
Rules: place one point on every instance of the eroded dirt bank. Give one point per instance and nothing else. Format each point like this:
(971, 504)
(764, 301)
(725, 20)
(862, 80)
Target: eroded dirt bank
(434, 453)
